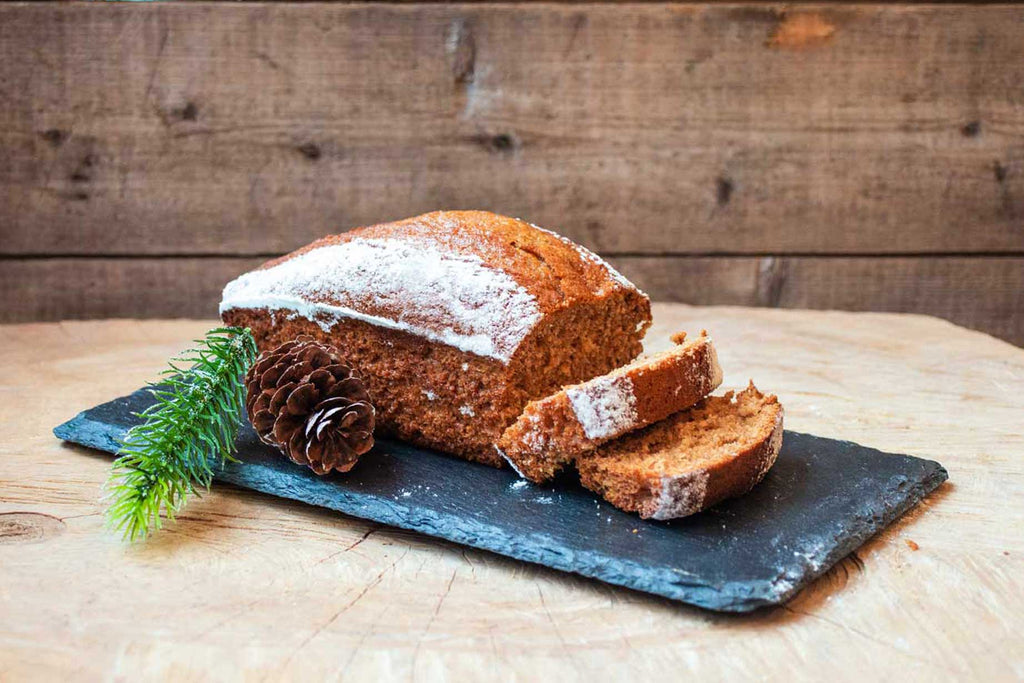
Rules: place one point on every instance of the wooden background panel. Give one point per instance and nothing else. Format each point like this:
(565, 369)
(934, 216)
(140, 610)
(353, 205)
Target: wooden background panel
(84, 288)
(980, 293)
(648, 129)
(983, 293)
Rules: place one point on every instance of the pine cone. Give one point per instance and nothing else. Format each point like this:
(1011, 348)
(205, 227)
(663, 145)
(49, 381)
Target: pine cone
(315, 409)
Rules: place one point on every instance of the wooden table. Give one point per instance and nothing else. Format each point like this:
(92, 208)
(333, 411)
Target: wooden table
(245, 586)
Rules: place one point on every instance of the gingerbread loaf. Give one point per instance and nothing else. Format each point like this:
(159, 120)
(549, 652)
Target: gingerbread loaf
(686, 463)
(456, 319)
(554, 430)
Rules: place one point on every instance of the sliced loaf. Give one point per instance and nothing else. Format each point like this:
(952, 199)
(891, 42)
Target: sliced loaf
(718, 449)
(456, 319)
(555, 430)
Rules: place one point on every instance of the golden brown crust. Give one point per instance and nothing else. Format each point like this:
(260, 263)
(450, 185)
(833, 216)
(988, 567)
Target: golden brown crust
(556, 271)
(551, 433)
(736, 441)
(438, 396)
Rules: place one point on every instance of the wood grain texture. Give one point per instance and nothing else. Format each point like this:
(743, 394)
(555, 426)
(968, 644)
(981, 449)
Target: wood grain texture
(249, 587)
(981, 293)
(59, 289)
(243, 129)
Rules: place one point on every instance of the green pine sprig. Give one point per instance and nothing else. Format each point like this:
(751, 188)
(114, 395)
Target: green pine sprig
(188, 431)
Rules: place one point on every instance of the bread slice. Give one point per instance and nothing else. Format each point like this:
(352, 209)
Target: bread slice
(555, 430)
(718, 449)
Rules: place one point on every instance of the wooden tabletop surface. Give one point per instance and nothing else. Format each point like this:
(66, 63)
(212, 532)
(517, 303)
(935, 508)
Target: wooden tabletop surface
(245, 586)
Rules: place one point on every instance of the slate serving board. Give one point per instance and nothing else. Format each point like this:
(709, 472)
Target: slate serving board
(822, 500)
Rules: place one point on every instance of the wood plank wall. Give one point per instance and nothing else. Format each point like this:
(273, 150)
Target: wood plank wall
(825, 156)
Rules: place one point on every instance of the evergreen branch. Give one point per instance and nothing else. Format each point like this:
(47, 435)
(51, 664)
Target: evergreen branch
(190, 429)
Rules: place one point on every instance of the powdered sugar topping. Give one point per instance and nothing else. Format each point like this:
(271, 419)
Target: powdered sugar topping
(682, 495)
(510, 462)
(605, 407)
(416, 287)
(535, 437)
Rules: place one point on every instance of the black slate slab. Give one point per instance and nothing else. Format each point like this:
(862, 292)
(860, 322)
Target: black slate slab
(822, 500)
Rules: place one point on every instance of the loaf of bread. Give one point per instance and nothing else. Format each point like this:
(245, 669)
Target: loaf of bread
(686, 463)
(455, 319)
(556, 429)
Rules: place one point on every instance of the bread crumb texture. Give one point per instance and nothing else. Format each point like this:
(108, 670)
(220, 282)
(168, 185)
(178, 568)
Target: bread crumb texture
(718, 449)
(456, 318)
(554, 430)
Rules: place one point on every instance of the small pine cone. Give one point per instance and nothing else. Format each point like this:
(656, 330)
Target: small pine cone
(302, 399)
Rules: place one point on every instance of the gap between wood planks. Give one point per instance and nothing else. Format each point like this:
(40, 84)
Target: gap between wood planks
(981, 292)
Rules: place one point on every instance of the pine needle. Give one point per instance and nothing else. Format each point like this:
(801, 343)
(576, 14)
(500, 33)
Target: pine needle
(188, 432)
